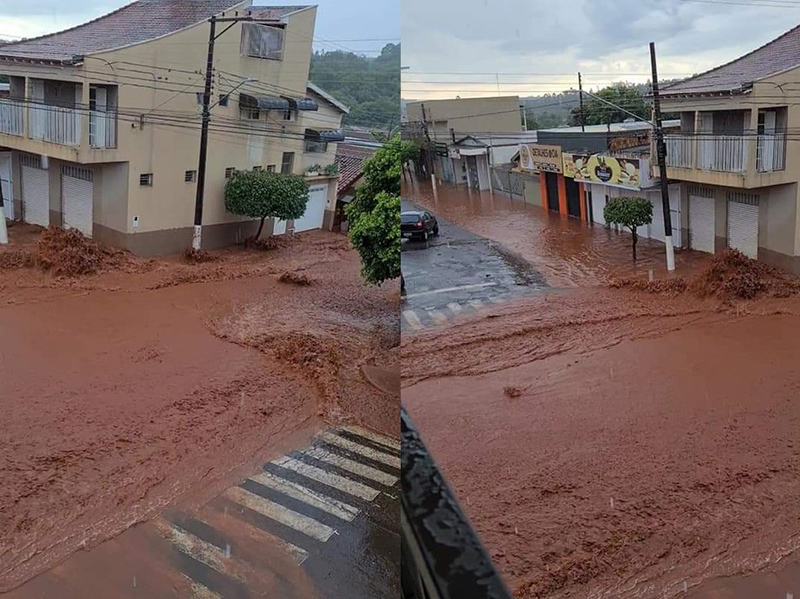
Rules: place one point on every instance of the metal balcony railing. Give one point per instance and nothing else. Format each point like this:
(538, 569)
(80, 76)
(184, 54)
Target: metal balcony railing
(771, 152)
(11, 117)
(102, 129)
(442, 557)
(55, 124)
(680, 150)
(726, 153)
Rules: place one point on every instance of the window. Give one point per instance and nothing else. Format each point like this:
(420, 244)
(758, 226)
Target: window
(251, 114)
(229, 172)
(271, 168)
(146, 179)
(190, 176)
(199, 97)
(262, 41)
(223, 100)
(287, 163)
(313, 142)
(288, 115)
(257, 169)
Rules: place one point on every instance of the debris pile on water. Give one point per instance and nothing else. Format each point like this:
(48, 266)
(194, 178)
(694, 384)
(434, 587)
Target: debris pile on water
(68, 253)
(295, 278)
(193, 256)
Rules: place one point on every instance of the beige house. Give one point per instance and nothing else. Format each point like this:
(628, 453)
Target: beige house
(102, 125)
(737, 163)
(468, 135)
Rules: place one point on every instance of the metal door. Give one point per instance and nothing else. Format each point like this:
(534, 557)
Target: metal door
(472, 172)
(701, 223)
(743, 228)
(315, 210)
(35, 192)
(5, 184)
(573, 197)
(77, 199)
(551, 185)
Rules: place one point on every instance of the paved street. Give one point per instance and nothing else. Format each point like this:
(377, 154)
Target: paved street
(322, 521)
(456, 273)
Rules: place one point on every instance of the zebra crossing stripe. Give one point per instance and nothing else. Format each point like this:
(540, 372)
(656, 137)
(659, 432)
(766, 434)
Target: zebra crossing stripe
(196, 548)
(332, 480)
(368, 434)
(367, 452)
(497, 300)
(306, 495)
(350, 465)
(200, 591)
(270, 509)
(437, 316)
(413, 320)
(475, 304)
(454, 308)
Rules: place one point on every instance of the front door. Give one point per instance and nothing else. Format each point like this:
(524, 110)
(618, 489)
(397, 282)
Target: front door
(573, 197)
(98, 105)
(472, 172)
(766, 140)
(551, 184)
(706, 140)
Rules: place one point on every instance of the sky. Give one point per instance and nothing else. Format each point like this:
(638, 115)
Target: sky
(337, 20)
(475, 48)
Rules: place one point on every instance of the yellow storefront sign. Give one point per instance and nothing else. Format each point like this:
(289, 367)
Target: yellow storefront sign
(621, 172)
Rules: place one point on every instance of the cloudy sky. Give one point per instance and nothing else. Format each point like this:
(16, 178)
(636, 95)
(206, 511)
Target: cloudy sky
(536, 46)
(348, 20)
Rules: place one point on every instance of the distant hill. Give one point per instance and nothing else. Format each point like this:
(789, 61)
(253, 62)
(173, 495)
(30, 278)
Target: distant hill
(370, 86)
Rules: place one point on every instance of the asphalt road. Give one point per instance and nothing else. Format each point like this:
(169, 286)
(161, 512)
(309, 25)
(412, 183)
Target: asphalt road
(322, 521)
(457, 273)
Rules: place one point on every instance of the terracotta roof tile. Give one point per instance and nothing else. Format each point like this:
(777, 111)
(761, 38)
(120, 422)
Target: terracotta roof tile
(134, 23)
(778, 55)
(350, 160)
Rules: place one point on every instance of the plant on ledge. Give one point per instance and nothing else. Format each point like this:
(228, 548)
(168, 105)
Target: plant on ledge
(331, 169)
(313, 170)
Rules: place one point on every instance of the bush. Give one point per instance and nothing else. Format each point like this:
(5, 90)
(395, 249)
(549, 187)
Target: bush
(629, 212)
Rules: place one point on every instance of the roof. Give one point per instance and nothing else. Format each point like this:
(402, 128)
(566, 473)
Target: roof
(275, 13)
(351, 161)
(322, 93)
(738, 75)
(614, 127)
(134, 23)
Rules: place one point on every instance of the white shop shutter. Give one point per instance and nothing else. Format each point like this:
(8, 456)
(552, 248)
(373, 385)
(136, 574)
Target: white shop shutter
(35, 191)
(743, 225)
(701, 223)
(77, 199)
(315, 210)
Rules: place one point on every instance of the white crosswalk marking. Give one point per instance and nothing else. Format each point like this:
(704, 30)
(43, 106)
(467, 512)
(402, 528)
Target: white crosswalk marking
(351, 466)
(332, 480)
(497, 299)
(187, 543)
(301, 493)
(475, 304)
(454, 308)
(413, 320)
(368, 452)
(368, 434)
(270, 509)
(200, 591)
(437, 316)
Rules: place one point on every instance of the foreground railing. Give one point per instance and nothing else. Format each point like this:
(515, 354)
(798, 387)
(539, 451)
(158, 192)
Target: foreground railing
(442, 558)
(771, 152)
(102, 129)
(680, 150)
(55, 124)
(11, 117)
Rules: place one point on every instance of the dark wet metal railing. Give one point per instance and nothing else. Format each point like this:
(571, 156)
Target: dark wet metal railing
(442, 557)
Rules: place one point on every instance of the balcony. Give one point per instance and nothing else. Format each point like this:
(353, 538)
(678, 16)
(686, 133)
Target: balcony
(726, 153)
(54, 124)
(12, 117)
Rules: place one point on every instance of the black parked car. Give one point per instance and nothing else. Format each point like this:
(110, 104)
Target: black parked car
(419, 224)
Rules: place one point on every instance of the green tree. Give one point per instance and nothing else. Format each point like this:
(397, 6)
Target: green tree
(631, 213)
(624, 95)
(262, 195)
(375, 213)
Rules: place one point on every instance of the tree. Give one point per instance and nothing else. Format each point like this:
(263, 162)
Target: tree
(262, 195)
(631, 213)
(375, 213)
(624, 95)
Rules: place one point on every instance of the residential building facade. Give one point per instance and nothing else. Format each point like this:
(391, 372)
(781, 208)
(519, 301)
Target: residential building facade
(101, 128)
(735, 157)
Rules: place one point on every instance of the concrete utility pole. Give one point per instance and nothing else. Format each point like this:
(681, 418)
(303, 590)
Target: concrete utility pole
(3, 229)
(429, 146)
(580, 98)
(661, 152)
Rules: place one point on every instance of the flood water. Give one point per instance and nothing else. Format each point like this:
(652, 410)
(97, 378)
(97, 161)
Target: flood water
(566, 251)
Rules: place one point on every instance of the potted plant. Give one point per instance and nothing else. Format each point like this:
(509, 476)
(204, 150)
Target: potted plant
(331, 169)
(313, 170)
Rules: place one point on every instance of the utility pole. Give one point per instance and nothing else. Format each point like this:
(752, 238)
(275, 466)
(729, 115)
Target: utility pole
(661, 152)
(580, 98)
(429, 146)
(3, 229)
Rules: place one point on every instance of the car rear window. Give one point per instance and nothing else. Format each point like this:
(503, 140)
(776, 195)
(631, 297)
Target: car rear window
(409, 218)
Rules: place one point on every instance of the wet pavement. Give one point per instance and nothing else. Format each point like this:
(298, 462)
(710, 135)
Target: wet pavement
(321, 521)
(566, 251)
(457, 273)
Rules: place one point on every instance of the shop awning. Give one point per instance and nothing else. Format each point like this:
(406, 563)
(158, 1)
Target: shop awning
(334, 135)
(276, 103)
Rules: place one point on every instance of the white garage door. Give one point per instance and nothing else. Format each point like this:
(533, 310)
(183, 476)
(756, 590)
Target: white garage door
(35, 191)
(76, 199)
(315, 209)
(5, 184)
(743, 228)
(279, 227)
(701, 223)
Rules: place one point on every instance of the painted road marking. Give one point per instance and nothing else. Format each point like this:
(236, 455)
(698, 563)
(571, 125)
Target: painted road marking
(477, 304)
(368, 434)
(301, 493)
(332, 480)
(200, 591)
(497, 300)
(454, 308)
(448, 289)
(351, 465)
(270, 509)
(203, 551)
(367, 452)
(437, 316)
(413, 320)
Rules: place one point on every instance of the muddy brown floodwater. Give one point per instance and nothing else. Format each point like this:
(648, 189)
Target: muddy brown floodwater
(149, 382)
(610, 442)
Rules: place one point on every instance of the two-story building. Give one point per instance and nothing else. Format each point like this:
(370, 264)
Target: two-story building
(101, 128)
(735, 156)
